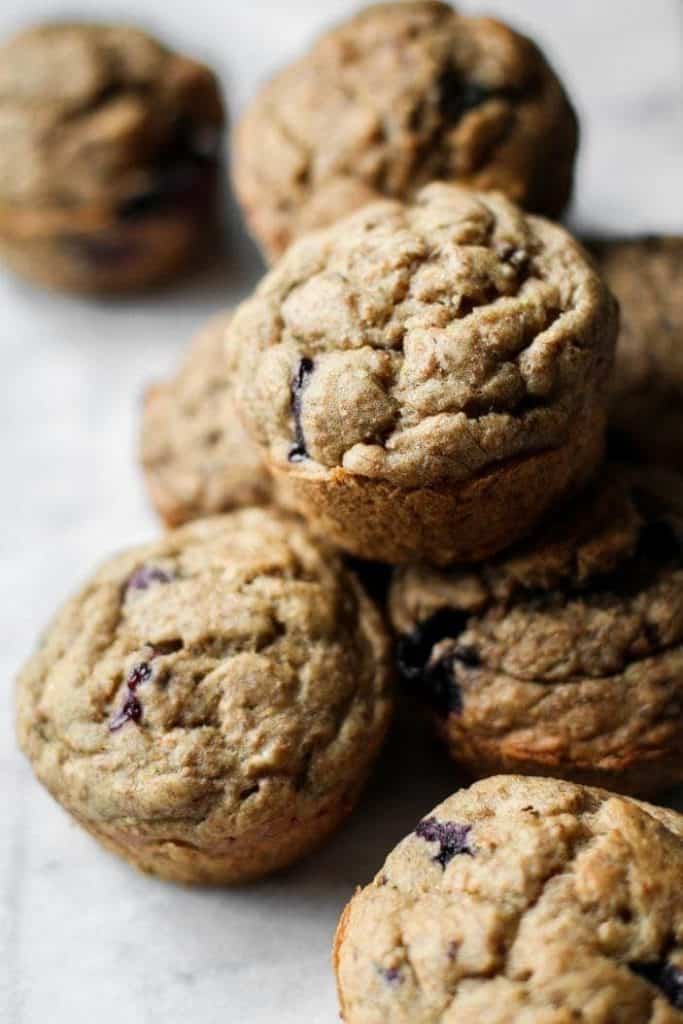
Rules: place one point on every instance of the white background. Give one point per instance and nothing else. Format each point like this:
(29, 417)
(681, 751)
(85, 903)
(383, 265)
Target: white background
(82, 937)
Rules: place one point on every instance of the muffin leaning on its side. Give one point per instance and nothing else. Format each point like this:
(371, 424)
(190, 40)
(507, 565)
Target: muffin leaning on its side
(195, 454)
(109, 158)
(565, 655)
(521, 901)
(646, 406)
(426, 380)
(400, 95)
(208, 706)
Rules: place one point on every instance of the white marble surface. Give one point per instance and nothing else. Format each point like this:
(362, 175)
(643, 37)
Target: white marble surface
(82, 937)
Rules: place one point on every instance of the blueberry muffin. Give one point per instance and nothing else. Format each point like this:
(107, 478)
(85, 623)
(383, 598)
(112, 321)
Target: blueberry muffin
(646, 409)
(425, 380)
(521, 901)
(195, 454)
(109, 151)
(400, 95)
(565, 655)
(208, 706)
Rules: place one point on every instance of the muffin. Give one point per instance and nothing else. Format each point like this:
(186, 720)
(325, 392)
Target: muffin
(110, 157)
(400, 95)
(196, 457)
(208, 706)
(424, 381)
(521, 901)
(646, 407)
(563, 656)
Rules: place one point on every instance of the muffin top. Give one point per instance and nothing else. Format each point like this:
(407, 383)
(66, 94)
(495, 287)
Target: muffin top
(646, 408)
(195, 453)
(100, 115)
(397, 96)
(522, 900)
(423, 342)
(225, 674)
(569, 647)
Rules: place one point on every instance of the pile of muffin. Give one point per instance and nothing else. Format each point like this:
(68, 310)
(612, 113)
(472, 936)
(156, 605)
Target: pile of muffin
(386, 466)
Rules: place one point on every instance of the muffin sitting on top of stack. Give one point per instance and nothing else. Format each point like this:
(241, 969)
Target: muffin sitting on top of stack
(426, 380)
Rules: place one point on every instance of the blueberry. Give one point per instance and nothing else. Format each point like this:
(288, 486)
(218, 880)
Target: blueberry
(451, 836)
(145, 576)
(391, 975)
(434, 681)
(130, 712)
(414, 650)
(664, 976)
(298, 452)
(458, 95)
(132, 708)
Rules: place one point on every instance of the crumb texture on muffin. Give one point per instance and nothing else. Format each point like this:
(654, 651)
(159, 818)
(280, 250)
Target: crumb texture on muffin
(205, 699)
(400, 95)
(196, 456)
(423, 343)
(521, 901)
(564, 654)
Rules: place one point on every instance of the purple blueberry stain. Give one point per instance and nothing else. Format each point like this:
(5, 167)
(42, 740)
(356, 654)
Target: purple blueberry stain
(664, 976)
(391, 975)
(146, 576)
(298, 452)
(452, 837)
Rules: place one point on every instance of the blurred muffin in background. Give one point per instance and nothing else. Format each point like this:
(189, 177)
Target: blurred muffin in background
(195, 454)
(646, 409)
(400, 95)
(109, 156)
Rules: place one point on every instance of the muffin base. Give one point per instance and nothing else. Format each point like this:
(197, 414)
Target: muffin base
(634, 772)
(105, 254)
(452, 522)
(253, 855)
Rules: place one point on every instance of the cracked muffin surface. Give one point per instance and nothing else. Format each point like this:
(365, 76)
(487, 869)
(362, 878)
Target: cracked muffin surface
(426, 345)
(196, 456)
(400, 95)
(646, 406)
(564, 655)
(109, 156)
(521, 901)
(209, 705)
